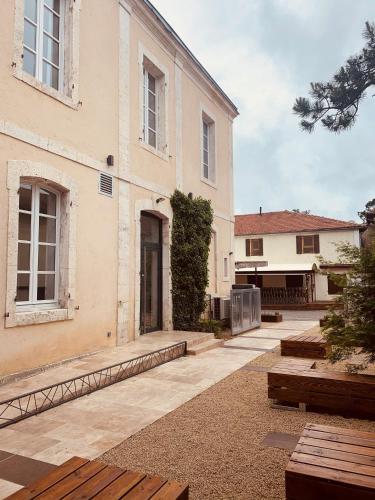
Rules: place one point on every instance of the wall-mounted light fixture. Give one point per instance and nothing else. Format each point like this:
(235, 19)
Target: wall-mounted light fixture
(159, 200)
(110, 160)
(230, 253)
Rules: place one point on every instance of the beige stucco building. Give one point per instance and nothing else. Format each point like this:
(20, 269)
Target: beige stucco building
(103, 113)
(281, 253)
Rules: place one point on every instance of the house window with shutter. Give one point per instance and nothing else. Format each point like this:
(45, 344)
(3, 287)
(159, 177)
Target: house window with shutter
(308, 244)
(254, 247)
(43, 41)
(208, 149)
(154, 106)
(46, 52)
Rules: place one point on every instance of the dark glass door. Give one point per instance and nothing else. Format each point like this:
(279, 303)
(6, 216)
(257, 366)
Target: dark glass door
(151, 273)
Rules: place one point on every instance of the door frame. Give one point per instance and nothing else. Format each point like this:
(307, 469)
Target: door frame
(159, 248)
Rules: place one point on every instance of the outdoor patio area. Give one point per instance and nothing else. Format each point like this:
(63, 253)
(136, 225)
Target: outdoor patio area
(91, 425)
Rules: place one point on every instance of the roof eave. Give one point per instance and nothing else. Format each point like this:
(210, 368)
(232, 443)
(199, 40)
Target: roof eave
(185, 48)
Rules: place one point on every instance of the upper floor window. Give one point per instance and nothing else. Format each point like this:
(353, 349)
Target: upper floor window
(150, 109)
(43, 41)
(38, 235)
(307, 244)
(154, 107)
(208, 148)
(254, 247)
(226, 268)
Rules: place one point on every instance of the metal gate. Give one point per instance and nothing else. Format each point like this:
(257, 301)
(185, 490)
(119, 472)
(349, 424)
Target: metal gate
(245, 309)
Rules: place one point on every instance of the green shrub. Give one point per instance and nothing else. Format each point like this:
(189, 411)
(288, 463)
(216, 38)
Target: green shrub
(191, 237)
(210, 326)
(351, 328)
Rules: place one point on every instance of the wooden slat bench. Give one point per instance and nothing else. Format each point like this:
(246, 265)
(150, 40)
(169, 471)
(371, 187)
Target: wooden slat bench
(79, 478)
(331, 463)
(305, 346)
(297, 384)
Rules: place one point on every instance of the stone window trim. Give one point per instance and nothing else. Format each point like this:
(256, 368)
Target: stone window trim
(23, 170)
(148, 61)
(206, 116)
(69, 94)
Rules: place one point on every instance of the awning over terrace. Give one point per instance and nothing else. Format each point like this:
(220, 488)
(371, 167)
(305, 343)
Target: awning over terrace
(298, 268)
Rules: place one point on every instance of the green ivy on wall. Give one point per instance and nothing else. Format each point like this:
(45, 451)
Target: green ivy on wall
(191, 237)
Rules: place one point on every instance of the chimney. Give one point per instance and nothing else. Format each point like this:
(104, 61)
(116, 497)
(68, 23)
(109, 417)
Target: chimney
(260, 210)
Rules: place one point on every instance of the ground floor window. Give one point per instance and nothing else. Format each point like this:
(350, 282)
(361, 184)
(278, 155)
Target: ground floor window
(38, 239)
(334, 288)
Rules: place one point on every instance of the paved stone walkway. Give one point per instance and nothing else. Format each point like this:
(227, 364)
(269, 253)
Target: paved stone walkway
(91, 425)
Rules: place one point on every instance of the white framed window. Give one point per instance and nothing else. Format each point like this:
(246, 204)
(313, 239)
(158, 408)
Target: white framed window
(38, 244)
(150, 109)
(153, 103)
(208, 149)
(43, 46)
(226, 268)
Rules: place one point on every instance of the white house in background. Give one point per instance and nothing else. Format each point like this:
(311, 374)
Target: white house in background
(278, 251)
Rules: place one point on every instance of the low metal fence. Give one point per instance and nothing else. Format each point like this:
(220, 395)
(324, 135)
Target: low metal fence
(32, 403)
(245, 309)
(288, 295)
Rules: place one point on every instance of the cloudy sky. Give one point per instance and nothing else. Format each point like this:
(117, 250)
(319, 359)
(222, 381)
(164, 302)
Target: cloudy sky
(264, 54)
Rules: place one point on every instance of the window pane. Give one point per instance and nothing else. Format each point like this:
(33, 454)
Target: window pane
(150, 229)
(24, 227)
(25, 197)
(23, 281)
(53, 4)
(47, 202)
(50, 75)
(151, 101)
(51, 23)
(205, 171)
(51, 49)
(23, 260)
(205, 129)
(205, 142)
(152, 120)
(29, 62)
(152, 138)
(30, 9)
(47, 230)
(46, 287)
(46, 258)
(151, 83)
(205, 157)
(29, 35)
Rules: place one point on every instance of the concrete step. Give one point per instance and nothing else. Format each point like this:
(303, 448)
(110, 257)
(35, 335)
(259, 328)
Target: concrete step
(200, 339)
(205, 346)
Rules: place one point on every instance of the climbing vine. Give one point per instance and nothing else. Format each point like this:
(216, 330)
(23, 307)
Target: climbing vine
(191, 237)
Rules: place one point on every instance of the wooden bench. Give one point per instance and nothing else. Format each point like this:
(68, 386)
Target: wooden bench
(305, 346)
(298, 384)
(79, 478)
(331, 463)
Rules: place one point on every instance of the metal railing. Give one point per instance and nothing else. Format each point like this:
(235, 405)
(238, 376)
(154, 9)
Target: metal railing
(245, 309)
(288, 295)
(32, 403)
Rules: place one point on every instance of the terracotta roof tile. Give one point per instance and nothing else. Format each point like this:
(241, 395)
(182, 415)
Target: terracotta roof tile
(287, 222)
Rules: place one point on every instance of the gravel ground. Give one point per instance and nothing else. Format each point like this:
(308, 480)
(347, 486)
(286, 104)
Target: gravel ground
(213, 441)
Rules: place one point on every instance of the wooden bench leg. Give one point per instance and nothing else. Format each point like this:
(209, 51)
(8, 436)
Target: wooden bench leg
(280, 406)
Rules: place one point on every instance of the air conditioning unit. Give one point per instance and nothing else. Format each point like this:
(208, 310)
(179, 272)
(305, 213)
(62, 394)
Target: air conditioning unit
(221, 308)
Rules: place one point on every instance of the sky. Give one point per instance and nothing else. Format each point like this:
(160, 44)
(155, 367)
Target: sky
(264, 54)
